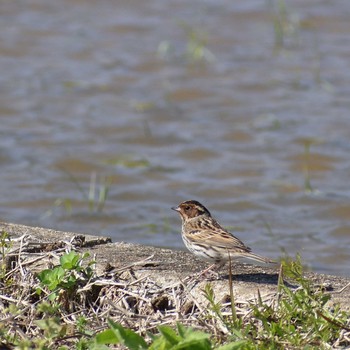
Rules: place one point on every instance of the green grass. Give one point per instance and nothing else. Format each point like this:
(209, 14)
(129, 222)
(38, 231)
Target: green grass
(296, 318)
(70, 306)
(196, 48)
(286, 24)
(5, 247)
(95, 196)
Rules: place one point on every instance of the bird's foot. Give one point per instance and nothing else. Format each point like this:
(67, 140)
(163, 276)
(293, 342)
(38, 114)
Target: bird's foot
(211, 272)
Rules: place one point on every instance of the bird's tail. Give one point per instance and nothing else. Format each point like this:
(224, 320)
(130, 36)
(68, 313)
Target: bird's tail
(259, 258)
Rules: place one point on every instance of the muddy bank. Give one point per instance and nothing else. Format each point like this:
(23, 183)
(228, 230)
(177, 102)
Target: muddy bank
(164, 267)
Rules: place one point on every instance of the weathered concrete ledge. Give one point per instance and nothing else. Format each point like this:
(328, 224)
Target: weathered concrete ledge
(164, 266)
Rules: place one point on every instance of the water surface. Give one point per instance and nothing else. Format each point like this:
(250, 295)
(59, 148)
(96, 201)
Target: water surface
(239, 105)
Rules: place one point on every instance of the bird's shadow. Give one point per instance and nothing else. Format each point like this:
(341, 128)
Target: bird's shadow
(261, 278)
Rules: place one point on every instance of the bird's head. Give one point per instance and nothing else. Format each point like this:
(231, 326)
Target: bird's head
(191, 209)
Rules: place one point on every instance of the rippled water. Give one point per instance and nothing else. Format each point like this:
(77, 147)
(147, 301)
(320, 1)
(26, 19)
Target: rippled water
(241, 105)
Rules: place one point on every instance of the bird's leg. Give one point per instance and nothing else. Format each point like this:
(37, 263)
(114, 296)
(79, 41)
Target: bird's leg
(210, 272)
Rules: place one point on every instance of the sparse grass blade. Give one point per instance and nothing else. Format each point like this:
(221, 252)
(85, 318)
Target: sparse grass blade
(232, 297)
(127, 337)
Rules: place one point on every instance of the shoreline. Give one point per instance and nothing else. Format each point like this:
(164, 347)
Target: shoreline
(164, 266)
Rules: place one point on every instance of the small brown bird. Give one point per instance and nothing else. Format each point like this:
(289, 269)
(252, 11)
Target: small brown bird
(207, 239)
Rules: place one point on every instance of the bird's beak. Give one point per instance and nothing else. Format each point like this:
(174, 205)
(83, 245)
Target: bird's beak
(175, 208)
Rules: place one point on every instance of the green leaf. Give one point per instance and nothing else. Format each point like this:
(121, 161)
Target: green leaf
(190, 334)
(160, 343)
(181, 330)
(70, 260)
(195, 344)
(169, 334)
(128, 337)
(85, 255)
(52, 296)
(192, 339)
(43, 276)
(51, 278)
(106, 337)
(233, 346)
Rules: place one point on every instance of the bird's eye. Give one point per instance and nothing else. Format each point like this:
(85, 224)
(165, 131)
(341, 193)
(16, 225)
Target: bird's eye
(187, 208)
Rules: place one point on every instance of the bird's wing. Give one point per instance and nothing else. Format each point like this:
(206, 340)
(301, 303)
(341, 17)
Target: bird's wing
(213, 234)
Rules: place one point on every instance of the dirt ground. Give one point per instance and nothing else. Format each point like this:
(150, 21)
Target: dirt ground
(164, 266)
